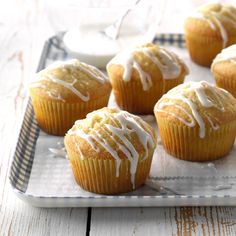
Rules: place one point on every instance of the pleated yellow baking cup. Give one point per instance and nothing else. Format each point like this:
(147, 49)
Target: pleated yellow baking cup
(99, 176)
(203, 49)
(171, 83)
(131, 97)
(184, 142)
(57, 117)
(226, 83)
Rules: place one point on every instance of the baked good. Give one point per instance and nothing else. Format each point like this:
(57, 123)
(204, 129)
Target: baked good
(140, 76)
(210, 30)
(224, 69)
(110, 151)
(67, 91)
(197, 121)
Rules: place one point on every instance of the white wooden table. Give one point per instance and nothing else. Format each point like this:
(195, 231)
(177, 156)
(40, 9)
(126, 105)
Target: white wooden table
(23, 29)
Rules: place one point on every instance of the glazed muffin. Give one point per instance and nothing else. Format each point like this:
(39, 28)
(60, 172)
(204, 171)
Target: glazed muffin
(110, 151)
(197, 121)
(65, 92)
(140, 76)
(224, 69)
(210, 30)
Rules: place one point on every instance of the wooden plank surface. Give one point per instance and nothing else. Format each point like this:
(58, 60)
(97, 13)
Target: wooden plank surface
(24, 28)
(20, 49)
(164, 221)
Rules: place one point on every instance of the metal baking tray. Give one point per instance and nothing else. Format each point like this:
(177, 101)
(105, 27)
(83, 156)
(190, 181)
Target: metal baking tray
(43, 179)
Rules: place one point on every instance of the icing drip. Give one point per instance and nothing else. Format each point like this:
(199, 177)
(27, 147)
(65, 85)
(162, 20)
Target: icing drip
(167, 63)
(186, 122)
(119, 131)
(205, 101)
(227, 54)
(215, 126)
(93, 72)
(53, 94)
(215, 23)
(68, 85)
(86, 137)
(74, 66)
(215, 18)
(223, 31)
(126, 59)
(153, 184)
(209, 166)
(222, 187)
(58, 152)
(144, 77)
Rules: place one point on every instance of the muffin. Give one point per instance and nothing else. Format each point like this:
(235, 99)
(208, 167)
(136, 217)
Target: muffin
(140, 76)
(210, 30)
(197, 121)
(110, 151)
(67, 91)
(224, 69)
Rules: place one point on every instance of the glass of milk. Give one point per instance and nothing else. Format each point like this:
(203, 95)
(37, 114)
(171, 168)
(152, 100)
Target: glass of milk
(83, 21)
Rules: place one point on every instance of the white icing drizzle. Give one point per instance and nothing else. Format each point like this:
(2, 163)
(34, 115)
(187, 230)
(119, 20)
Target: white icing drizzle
(120, 133)
(186, 122)
(209, 166)
(86, 137)
(205, 101)
(222, 187)
(200, 16)
(168, 65)
(73, 65)
(223, 32)
(53, 94)
(227, 54)
(144, 76)
(67, 85)
(153, 184)
(58, 152)
(214, 125)
(214, 19)
(216, 24)
(93, 72)
(126, 59)
(211, 24)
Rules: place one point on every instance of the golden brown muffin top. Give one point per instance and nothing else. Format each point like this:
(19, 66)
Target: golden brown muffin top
(152, 63)
(197, 103)
(70, 80)
(222, 11)
(215, 19)
(226, 55)
(114, 132)
(109, 133)
(224, 65)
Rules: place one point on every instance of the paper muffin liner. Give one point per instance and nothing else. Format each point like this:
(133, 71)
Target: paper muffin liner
(184, 142)
(57, 117)
(203, 49)
(131, 97)
(171, 83)
(99, 176)
(226, 83)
